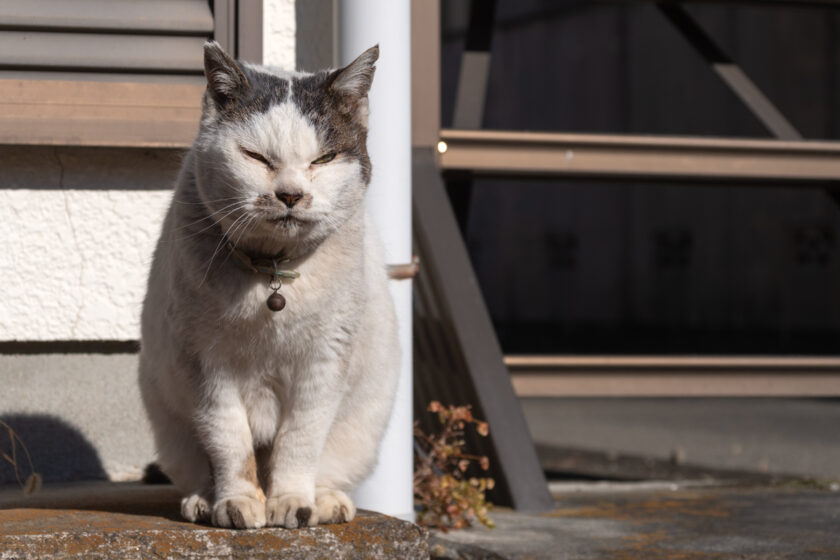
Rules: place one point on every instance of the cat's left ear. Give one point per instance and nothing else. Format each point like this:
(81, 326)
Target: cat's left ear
(355, 79)
(225, 80)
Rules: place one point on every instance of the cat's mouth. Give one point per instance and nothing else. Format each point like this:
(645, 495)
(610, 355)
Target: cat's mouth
(287, 220)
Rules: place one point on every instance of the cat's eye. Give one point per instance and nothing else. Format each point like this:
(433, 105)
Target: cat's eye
(254, 155)
(326, 158)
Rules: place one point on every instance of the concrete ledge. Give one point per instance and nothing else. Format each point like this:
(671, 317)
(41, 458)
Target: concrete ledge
(136, 521)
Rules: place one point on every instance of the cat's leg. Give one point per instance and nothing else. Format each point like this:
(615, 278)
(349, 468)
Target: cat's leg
(298, 445)
(180, 456)
(350, 453)
(352, 446)
(187, 465)
(238, 500)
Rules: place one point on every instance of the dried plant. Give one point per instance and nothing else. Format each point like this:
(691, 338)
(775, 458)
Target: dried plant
(33, 481)
(448, 497)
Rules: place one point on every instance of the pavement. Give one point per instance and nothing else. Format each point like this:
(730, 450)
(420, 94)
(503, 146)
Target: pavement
(771, 436)
(655, 521)
(674, 479)
(592, 520)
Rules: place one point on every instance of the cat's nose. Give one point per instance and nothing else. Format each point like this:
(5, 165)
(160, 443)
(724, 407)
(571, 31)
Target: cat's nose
(289, 199)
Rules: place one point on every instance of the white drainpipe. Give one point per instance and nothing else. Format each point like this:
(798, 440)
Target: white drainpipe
(362, 24)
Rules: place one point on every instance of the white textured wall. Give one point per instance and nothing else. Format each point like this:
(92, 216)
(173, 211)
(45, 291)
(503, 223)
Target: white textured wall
(74, 262)
(279, 33)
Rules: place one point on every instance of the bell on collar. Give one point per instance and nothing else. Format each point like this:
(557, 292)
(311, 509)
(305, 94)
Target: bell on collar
(276, 302)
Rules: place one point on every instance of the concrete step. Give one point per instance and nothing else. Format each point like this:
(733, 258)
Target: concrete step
(130, 520)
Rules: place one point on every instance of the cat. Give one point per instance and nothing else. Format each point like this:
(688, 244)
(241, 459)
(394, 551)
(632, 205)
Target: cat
(265, 415)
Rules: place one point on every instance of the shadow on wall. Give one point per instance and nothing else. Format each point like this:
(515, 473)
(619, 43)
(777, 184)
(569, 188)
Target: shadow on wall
(59, 452)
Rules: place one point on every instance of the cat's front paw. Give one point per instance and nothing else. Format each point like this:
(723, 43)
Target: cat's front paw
(242, 512)
(334, 506)
(290, 511)
(195, 508)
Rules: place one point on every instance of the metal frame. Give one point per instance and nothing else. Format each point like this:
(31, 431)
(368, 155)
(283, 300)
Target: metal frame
(674, 376)
(465, 154)
(457, 355)
(457, 358)
(729, 72)
(238, 28)
(475, 66)
(524, 154)
(470, 95)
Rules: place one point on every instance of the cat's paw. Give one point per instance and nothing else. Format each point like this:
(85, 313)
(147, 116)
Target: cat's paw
(195, 509)
(290, 511)
(242, 512)
(334, 506)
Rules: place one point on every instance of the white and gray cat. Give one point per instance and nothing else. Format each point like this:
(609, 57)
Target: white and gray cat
(264, 416)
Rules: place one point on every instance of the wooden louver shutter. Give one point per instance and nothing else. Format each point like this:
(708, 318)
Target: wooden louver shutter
(61, 39)
(102, 72)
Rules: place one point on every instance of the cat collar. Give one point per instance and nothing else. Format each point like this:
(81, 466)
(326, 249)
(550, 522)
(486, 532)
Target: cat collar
(269, 266)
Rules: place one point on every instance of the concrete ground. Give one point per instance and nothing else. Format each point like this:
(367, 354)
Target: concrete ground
(755, 479)
(619, 521)
(628, 521)
(760, 435)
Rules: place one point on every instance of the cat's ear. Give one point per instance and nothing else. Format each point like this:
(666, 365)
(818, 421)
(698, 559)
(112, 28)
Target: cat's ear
(225, 80)
(355, 79)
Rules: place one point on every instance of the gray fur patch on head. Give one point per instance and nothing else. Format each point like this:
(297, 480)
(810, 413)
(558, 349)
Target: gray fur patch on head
(225, 79)
(237, 91)
(336, 104)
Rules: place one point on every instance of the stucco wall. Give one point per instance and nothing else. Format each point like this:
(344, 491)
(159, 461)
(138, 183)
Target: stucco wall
(78, 260)
(279, 33)
(78, 228)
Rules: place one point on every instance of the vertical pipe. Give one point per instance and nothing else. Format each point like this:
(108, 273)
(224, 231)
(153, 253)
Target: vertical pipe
(362, 24)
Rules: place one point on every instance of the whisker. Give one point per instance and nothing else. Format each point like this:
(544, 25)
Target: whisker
(205, 202)
(237, 207)
(219, 246)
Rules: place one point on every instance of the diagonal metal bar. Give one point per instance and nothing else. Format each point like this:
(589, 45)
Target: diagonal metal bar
(458, 355)
(730, 73)
(475, 66)
(471, 94)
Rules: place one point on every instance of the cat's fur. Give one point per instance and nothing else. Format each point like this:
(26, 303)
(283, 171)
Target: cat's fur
(264, 418)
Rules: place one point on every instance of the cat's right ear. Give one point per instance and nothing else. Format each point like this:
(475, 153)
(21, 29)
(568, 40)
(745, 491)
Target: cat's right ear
(355, 79)
(225, 80)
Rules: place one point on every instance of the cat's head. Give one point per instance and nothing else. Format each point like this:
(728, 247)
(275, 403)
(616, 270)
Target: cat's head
(281, 156)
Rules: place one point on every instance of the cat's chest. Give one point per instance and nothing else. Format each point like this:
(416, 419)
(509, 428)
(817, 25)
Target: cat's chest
(308, 307)
(251, 334)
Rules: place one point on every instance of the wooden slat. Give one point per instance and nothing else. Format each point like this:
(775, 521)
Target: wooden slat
(34, 50)
(76, 113)
(522, 154)
(154, 16)
(674, 376)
